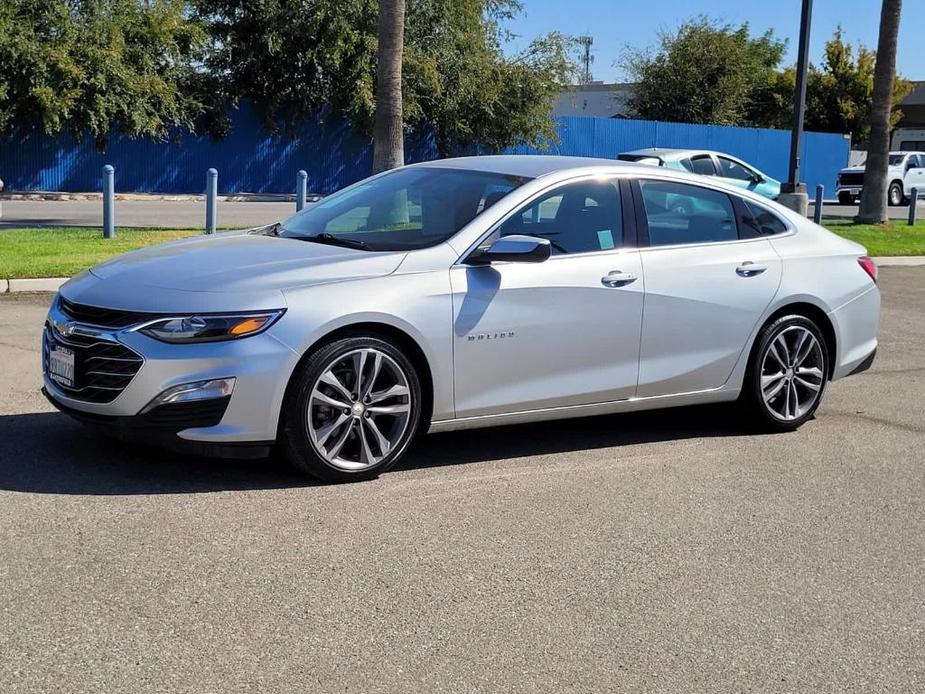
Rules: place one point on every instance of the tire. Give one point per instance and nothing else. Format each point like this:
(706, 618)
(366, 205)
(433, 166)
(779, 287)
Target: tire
(329, 433)
(845, 199)
(895, 195)
(800, 389)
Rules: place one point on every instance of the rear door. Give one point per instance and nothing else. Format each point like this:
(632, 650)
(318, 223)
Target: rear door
(709, 277)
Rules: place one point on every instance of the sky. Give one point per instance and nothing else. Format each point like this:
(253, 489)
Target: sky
(616, 24)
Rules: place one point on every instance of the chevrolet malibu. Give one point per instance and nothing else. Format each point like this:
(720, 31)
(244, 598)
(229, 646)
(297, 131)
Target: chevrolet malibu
(464, 293)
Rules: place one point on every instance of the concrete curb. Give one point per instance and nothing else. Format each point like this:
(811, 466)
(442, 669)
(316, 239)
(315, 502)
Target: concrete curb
(52, 284)
(900, 261)
(46, 284)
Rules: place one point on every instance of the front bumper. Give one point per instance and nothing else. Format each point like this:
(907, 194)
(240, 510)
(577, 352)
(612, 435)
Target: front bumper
(161, 425)
(853, 191)
(261, 366)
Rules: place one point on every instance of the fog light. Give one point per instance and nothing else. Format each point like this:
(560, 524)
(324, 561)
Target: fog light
(191, 392)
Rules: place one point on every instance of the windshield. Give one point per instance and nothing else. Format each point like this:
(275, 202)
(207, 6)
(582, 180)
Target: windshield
(407, 209)
(896, 159)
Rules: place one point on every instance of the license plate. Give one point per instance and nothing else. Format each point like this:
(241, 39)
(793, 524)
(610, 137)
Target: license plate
(61, 366)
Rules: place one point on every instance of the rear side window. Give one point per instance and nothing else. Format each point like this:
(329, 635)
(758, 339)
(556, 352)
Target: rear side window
(679, 213)
(703, 165)
(763, 220)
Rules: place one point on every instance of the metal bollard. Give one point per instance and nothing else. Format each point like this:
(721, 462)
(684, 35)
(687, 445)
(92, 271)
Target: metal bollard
(913, 205)
(301, 189)
(109, 202)
(817, 213)
(211, 199)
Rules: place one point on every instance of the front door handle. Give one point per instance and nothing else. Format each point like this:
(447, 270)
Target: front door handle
(750, 269)
(618, 279)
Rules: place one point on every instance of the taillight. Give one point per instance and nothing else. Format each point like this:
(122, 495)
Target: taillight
(870, 267)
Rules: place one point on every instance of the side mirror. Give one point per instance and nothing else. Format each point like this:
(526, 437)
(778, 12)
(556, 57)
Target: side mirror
(512, 249)
(758, 178)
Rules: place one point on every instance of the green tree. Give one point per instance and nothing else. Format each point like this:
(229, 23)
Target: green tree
(704, 72)
(296, 60)
(89, 66)
(839, 92)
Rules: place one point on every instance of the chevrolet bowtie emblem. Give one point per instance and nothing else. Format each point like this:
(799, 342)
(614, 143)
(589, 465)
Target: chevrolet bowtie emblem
(64, 329)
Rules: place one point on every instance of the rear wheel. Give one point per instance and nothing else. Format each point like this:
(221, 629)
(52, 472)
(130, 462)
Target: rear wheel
(352, 411)
(787, 375)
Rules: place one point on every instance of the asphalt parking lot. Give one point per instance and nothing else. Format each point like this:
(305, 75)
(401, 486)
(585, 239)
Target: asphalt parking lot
(190, 214)
(670, 551)
(175, 214)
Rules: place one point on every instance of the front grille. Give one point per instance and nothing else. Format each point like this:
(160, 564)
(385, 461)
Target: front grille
(102, 317)
(851, 179)
(103, 369)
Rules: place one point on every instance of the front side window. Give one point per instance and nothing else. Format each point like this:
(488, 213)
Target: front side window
(732, 169)
(703, 165)
(580, 217)
(407, 209)
(679, 213)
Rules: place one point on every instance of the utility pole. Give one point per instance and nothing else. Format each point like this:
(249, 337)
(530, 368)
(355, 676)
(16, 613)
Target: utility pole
(585, 43)
(793, 192)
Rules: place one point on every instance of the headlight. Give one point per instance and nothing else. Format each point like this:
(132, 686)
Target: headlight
(210, 328)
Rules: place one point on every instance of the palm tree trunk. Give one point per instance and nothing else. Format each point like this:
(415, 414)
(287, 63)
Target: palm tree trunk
(388, 137)
(873, 197)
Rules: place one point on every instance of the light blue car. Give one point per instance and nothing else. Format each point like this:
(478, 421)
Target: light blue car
(707, 163)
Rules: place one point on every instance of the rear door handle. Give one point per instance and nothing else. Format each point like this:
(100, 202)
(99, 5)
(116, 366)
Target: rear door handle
(750, 269)
(618, 279)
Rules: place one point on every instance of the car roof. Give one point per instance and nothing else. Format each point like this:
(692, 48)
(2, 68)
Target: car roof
(668, 153)
(528, 165)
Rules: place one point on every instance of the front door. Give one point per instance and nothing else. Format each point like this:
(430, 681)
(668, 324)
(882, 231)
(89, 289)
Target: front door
(558, 333)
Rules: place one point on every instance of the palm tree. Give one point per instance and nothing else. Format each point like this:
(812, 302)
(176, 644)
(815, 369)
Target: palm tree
(873, 197)
(388, 137)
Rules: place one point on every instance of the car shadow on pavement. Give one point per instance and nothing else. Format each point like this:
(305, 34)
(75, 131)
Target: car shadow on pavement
(48, 453)
(570, 435)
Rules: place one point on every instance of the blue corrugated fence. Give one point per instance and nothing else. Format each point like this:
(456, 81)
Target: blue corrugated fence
(768, 150)
(250, 160)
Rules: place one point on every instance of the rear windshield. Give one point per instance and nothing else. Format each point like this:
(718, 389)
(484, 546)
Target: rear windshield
(641, 159)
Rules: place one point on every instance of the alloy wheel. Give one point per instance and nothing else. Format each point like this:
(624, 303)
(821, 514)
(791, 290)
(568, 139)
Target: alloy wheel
(896, 195)
(359, 409)
(792, 373)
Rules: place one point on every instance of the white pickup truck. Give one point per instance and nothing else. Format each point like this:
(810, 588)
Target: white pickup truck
(906, 171)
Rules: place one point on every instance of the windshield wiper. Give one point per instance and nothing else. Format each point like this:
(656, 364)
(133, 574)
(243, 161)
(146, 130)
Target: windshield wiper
(333, 240)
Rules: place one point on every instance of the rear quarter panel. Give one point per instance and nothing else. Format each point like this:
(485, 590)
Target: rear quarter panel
(822, 269)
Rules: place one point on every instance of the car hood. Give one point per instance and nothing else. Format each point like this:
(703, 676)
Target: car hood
(231, 265)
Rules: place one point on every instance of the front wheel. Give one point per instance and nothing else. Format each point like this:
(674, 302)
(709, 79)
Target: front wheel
(896, 195)
(788, 373)
(352, 410)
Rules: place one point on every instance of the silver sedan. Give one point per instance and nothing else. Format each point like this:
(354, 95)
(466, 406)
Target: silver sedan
(464, 293)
